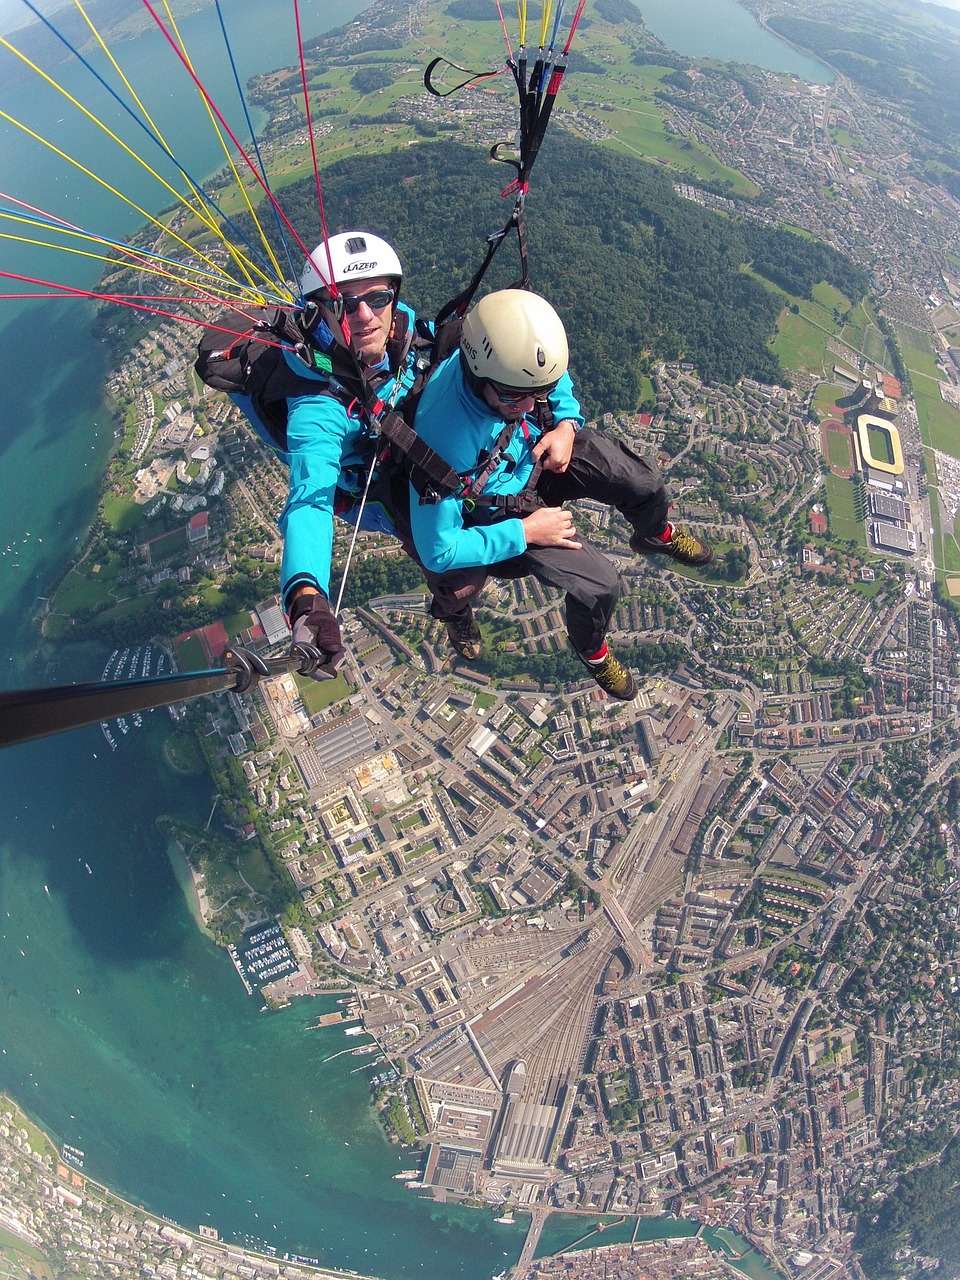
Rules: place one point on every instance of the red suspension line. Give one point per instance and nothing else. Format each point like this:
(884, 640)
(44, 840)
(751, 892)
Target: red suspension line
(233, 137)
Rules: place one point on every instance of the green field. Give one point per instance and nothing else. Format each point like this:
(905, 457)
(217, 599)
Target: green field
(22, 1261)
(190, 655)
(84, 589)
(917, 350)
(939, 421)
(880, 444)
(253, 866)
(234, 623)
(805, 327)
(121, 514)
(946, 547)
(838, 451)
(844, 525)
(120, 612)
(830, 299)
(317, 694)
(861, 333)
(801, 344)
(825, 399)
(844, 139)
(167, 545)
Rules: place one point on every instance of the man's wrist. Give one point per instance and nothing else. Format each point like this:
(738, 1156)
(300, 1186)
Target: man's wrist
(302, 586)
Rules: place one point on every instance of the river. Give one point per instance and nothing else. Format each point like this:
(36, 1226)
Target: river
(123, 1030)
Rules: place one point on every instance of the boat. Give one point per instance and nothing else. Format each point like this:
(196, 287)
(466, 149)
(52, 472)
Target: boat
(354, 1031)
(404, 1174)
(415, 1182)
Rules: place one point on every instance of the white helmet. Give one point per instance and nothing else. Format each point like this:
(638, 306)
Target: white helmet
(355, 255)
(515, 339)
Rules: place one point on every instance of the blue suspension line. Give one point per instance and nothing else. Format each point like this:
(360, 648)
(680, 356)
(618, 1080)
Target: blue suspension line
(256, 146)
(254, 252)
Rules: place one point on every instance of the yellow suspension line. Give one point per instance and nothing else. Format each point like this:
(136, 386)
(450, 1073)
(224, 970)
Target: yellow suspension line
(113, 191)
(133, 155)
(226, 150)
(198, 194)
(547, 5)
(225, 289)
(522, 19)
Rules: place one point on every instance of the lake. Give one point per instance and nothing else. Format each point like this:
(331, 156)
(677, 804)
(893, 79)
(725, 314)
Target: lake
(724, 30)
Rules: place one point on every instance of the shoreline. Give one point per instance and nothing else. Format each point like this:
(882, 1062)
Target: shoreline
(190, 885)
(260, 1264)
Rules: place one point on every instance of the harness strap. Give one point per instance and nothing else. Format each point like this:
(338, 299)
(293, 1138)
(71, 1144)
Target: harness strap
(458, 306)
(437, 470)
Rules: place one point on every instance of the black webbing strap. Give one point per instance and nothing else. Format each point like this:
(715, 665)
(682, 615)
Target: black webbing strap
(436, 468)
(458, 306)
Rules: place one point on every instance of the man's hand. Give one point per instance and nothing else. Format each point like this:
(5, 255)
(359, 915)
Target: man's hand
(312, 622)
(555, 448)
(550, 527)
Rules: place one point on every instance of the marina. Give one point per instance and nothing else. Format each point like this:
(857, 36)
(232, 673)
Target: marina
(143, 662)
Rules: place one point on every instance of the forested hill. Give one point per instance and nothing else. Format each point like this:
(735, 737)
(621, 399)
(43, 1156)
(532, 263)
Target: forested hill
(637, 273)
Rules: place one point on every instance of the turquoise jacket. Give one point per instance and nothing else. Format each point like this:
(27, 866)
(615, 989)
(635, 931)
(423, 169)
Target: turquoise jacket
(327, 449)
(461, 427)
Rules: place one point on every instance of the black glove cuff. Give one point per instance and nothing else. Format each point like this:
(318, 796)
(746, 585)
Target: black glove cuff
(306, 603)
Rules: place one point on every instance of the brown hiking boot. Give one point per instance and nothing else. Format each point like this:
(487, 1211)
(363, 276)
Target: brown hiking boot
(681, 545)
(612, 677)
(464, 635)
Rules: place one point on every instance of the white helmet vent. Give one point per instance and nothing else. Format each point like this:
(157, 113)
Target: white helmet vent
(354, 255)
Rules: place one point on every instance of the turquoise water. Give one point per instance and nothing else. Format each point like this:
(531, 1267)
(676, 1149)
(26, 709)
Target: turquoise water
(129, 1035)
(724, 30)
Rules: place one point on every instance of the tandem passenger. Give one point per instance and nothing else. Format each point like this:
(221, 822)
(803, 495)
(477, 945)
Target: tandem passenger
(502, 411)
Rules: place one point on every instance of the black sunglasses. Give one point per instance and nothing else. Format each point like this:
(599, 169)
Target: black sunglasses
(376, 300)
(510, 395)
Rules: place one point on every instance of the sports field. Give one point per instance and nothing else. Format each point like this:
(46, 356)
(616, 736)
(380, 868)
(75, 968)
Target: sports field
(838, 442)
(844, 525)
(190, 655)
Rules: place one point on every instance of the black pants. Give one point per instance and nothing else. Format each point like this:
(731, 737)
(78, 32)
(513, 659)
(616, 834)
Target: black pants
(602, 469)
